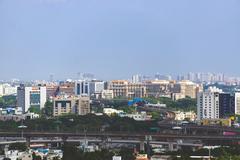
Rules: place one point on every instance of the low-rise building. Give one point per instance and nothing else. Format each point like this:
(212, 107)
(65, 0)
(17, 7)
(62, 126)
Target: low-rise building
(142, 116)
(111, 111)
(107, 94)
(180, 116)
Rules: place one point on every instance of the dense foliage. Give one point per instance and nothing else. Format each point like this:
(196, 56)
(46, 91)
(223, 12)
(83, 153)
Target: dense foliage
(185, 104)
(18, 146)
(73, 153)
(6, 101)
(222, 153)
(73, 123)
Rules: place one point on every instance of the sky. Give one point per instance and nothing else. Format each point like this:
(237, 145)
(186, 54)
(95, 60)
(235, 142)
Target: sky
(115, 39)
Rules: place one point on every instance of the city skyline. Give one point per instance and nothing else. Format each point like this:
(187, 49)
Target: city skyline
(115, 40)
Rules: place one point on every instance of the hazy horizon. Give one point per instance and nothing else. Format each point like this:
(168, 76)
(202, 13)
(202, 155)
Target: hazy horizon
(116, 39)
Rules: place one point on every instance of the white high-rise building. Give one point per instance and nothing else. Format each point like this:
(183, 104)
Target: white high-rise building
(136, 78)
(237, 103)
(28, 97)
(208, 104)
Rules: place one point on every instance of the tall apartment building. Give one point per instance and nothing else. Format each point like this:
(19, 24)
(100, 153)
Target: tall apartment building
(214, 104)
(226, 105)
(79, 105)
(136, 78)
(28, 97)
(208, 104)
(237, 103)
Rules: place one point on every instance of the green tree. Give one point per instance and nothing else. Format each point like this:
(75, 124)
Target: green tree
(34, 109)
(126, 154)
(18, 146)
(47, 111)
(36, 157)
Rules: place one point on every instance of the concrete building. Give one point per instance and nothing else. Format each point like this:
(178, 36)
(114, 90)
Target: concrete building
(6, 89)
(28, 97)
(181, 116)
(82, 88)
(226, 105)
(119, 88)
(112, 111)
(161, 88)
(96, 86)
(122, 88)
(107, 94)
(79, 105)
(136, 90)
(189, 89)
(237, 103)
(208, 104)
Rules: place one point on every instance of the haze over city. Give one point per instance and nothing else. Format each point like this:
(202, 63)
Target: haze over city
(115, 39)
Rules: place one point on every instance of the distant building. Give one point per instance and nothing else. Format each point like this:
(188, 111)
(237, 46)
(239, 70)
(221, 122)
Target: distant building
(136, 78)
(119, 88)
(136, 90)
(28, 97)
(123, 88)
(82, 88)
(161, 88)
(189, 89)
(95, 88)
(163, 77)
(6, 89)
(107, 94)
(79, 105)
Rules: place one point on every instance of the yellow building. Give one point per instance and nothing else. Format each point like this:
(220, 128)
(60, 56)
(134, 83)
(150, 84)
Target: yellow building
(79, 105)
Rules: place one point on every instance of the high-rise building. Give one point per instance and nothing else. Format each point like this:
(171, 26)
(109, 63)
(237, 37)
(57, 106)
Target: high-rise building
(96, 87)
(208, 104)
(82, 88)
(162, 77)
(31, 97)
(237, 103)
(136, 78)
(226, 105)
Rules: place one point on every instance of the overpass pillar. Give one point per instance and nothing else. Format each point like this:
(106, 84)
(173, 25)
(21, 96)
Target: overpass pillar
(170, 146)
(142, 147)
(28, 141)
(64, 140)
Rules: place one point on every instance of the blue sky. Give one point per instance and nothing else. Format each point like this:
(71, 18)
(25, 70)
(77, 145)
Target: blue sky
(118, 38)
